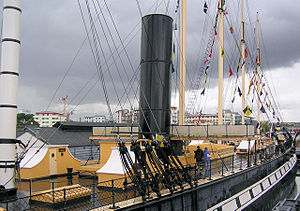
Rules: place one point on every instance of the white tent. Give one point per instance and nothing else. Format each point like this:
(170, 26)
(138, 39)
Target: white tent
(245, 145)
(196, 142)
(33, 157)
(114, 164)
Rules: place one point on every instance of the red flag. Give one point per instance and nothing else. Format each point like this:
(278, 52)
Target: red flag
(230, 72)
(209, 56)
(215, 32)
(206, 61)
(246, 53)
(263, 84)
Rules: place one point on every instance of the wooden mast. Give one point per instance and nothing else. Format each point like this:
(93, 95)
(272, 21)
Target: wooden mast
(243, 66)
(182, 63)
(258, 74)
(221, 51)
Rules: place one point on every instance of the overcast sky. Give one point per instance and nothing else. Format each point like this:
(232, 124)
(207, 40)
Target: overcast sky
(52, 32)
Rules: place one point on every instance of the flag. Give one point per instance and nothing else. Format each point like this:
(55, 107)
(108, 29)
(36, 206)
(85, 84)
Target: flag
(251, 84)
(232, 101)
(215, 32)
(239, 91)
(262, 109)
(205, 61)
(261, 93)
(209, 55)
(206, 79)
(223, 53)
(246, 53)
(237, 45)
(203, 91)
(205, 8)
(263, 84)
(231, 29)
(173, 49)
(247, 111)
(230, 72)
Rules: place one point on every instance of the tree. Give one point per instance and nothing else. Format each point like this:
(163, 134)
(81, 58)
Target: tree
(25, 119)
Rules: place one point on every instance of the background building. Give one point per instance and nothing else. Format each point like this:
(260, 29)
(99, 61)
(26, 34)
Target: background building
(95, 118)
(48, 119)
(127, 116)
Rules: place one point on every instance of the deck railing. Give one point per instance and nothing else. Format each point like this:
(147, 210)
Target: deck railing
(109, 193)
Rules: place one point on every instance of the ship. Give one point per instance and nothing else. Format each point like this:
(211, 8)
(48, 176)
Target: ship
(151, 165)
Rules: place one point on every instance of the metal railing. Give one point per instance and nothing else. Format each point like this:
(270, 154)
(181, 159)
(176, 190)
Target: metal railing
(109, 193)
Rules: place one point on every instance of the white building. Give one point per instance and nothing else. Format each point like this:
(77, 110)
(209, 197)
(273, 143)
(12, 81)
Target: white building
(174, 115)
(127, 116)
(48, 119)
(95, 119)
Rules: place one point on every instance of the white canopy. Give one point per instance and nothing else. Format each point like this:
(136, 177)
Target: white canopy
(196, 142)
(114, 163)
(33, 157)
(245, 145)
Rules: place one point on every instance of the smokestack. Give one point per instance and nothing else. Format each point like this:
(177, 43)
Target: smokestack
(9, 74)
(155, 84)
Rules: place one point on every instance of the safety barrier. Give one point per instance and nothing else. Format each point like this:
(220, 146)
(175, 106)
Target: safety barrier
(244, 198)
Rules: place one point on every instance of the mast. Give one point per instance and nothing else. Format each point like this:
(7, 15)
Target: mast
(182, 63)
(243, 65)
(8, 92)
(258, 74)
(221, 50)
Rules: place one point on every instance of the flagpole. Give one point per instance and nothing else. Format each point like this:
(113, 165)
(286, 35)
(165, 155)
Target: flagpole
(182, 63)
(243, 65)
(258, 73)
(221, 51)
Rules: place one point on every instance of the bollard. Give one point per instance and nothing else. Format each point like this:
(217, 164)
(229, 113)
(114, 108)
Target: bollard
(209, 169)
(52, 184)
(222, 167)
(241, 159)
(232, 164)
(113, 196)
(65, 201)
(30, 188)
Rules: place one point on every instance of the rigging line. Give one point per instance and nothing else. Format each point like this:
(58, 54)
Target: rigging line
(110, 49)
(96, 59)
(167, 8)
(128, 58)
(66, 73)
(267, 62)
(139, 8)
(110, 52)
(97, 42)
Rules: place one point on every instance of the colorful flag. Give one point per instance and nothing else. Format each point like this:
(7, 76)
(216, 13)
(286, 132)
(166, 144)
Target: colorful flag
(223, 53)
(230, 72)
(262, 109)
(231, 29)
(251, 84)
(173, 49)
(203, 91)
(246, 53)
(232, 101)
(205, 8)
(239, 91)
(247, 111)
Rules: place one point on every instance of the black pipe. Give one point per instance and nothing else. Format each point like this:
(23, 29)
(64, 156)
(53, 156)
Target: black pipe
(155, 83)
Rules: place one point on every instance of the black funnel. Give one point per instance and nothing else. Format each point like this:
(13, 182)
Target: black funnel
(155, 83)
